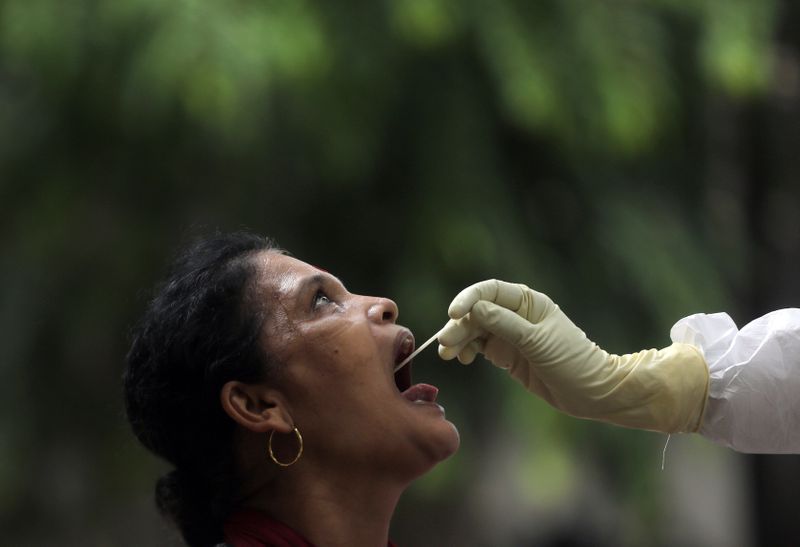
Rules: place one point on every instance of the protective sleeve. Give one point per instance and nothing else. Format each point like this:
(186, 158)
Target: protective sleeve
(754, 392)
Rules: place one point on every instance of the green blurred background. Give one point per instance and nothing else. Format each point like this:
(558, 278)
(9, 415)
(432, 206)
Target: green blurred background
(636, 160)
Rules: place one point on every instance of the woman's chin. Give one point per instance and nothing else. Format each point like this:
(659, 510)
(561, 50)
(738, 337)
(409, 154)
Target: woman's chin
(445, 443)
(455, 441)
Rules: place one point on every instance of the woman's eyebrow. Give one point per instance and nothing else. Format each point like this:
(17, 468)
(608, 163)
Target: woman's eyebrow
(316, 280)
(309, 282)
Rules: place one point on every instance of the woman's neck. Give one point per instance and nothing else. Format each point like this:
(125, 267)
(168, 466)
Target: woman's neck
(332, 511)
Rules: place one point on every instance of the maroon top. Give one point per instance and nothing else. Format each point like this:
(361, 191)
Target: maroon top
(250, 528)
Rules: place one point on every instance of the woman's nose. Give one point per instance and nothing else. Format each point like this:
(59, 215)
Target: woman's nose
(383, 310)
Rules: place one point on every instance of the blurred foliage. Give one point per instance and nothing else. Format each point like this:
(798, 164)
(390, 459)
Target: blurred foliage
(598, 150)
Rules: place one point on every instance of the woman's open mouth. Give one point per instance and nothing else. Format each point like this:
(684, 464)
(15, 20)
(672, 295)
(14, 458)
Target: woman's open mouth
(416, 393)
(403, 347)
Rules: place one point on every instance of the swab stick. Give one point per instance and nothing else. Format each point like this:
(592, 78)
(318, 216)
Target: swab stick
(427, 343)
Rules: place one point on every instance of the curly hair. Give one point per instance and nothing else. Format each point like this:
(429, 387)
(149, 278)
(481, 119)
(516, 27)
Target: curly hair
(200, 330)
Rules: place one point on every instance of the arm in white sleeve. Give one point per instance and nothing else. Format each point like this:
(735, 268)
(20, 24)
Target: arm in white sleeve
(754, 390)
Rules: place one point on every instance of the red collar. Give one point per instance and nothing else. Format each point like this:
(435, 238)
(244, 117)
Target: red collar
(250, 528)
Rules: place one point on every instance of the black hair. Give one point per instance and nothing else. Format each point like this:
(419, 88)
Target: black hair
(200, 330)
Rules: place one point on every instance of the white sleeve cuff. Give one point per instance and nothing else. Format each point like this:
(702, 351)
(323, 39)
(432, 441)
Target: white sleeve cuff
(754, 391)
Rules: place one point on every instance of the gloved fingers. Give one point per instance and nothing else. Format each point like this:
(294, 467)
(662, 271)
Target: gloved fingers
(450, 352)
(465, 354)
(508, 295)
(459, 332)
(503, 323)
(456, 336)
(472, 349)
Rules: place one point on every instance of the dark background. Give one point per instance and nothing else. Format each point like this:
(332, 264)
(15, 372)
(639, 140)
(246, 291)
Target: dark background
(637, 161)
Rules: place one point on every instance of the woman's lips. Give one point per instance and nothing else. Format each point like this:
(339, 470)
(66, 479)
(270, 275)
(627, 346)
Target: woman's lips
(421, 393)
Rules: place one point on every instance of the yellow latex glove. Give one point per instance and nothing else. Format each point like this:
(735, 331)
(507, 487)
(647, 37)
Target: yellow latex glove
(524, 331)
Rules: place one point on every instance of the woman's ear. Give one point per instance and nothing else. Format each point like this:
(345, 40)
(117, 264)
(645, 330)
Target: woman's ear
(255, 407)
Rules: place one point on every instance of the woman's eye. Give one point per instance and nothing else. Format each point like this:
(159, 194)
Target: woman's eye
(321, 299)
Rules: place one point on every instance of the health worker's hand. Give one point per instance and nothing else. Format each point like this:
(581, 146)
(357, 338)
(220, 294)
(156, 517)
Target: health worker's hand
(525, 332)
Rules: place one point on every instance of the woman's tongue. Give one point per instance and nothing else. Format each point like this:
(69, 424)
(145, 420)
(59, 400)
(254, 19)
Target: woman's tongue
(424, 393)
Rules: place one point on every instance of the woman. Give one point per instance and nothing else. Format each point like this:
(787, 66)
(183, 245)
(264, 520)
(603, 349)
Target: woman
(270, 388)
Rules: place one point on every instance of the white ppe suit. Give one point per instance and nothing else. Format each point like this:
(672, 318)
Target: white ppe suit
(754, 386)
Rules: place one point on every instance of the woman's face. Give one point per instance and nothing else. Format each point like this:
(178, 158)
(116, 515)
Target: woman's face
(338, 351)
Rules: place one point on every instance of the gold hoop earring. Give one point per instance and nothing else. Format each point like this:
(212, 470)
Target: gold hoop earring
(299, 451)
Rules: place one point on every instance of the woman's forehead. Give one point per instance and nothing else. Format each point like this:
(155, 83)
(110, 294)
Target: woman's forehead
(284, 274)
